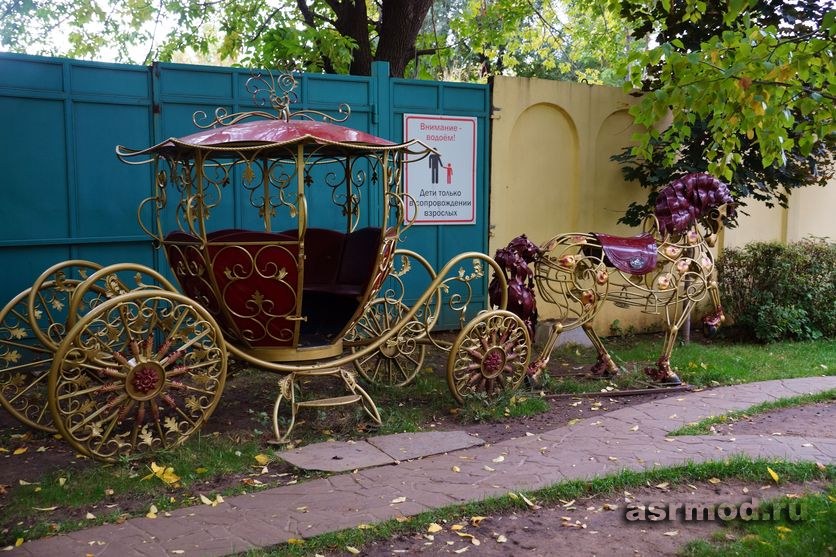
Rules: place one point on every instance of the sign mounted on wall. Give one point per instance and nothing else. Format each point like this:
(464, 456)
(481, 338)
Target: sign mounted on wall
(442, 189)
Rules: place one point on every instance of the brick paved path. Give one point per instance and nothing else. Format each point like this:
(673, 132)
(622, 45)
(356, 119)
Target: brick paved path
(593, 447)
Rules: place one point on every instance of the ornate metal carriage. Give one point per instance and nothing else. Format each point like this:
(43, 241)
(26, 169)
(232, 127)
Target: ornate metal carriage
(120, 362)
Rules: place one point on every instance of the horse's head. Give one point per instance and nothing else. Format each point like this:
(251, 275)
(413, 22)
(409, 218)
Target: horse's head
(691, 198)
(527, 249)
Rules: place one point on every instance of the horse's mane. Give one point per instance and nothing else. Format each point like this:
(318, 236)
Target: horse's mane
(686, 199)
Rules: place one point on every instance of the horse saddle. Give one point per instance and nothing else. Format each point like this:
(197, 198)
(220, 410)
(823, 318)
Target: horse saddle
(635, 255)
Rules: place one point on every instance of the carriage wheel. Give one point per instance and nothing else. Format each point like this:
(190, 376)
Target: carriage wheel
(398, 360)
(138, 373)
(24, 367)
(49, 299)
(490, 355)
(32, 326)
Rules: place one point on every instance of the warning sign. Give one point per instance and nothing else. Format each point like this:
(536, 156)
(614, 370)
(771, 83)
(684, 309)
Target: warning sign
(441, 189)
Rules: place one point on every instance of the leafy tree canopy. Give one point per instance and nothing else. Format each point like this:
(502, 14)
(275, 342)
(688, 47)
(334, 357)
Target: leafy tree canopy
(748, 85)
(458, 39)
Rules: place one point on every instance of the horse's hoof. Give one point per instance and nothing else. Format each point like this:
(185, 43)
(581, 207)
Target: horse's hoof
(672, 380)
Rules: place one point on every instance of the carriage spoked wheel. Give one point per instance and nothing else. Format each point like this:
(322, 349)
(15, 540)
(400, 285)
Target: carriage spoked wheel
(32, 325)
(490, 355)
(112, 281)
(399, 359)
(138, 373)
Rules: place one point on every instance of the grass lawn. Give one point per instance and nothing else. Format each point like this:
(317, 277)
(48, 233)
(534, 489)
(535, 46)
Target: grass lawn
(813, 535)
(700, 364)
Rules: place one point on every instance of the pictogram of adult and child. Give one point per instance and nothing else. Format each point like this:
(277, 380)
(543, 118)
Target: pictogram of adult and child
(435, 164)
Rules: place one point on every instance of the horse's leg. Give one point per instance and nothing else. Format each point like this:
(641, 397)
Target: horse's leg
(712, 321)
(537, 367)
(663, 372)
(604, 367)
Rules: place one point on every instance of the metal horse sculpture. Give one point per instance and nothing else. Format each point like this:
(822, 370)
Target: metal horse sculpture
(668, 268)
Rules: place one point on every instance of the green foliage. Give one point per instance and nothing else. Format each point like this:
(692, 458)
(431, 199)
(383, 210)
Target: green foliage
(747, 86)
(813, 535)
(554, 39)
(780, 292)
(510, 404)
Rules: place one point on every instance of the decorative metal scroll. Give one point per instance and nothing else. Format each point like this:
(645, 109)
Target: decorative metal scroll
(573, 272)
(277, 93)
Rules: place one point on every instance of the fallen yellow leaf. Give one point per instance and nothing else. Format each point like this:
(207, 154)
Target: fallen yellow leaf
(353, 550)
(295, 541)
(471, 537)
(456, 469)
(62, 481)
(783, 529)
(714, 481)
(456, 527)
(152, 512)
(433, 528)
(20, 450)
(262, 459)
(772, 474)
(90, 516)
(18, 542)
(166, 474)
(201, 470)
(476, 520)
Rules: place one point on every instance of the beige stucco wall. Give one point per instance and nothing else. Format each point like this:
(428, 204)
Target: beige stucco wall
(551, 173)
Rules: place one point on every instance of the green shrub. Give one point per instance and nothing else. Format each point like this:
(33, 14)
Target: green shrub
(774, 291)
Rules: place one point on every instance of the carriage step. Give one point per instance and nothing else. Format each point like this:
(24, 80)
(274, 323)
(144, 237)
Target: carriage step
(335, 401)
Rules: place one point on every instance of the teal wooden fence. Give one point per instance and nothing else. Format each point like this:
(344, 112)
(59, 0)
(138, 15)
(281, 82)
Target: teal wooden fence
(66, 196)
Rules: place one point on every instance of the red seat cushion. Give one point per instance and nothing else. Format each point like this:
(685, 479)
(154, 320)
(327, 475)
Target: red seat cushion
(359, 256)
(323, 254)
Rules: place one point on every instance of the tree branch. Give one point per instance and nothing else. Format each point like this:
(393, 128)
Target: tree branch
(263, 27)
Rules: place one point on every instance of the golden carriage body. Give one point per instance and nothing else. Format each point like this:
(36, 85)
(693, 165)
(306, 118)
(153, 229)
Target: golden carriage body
(120, 362)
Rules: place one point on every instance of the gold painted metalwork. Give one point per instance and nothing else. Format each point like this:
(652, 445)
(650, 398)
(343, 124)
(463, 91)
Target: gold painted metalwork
(138, 373)
(398, 360)
(291, 395)
(572, 275)
(32, 325)
(490, 355)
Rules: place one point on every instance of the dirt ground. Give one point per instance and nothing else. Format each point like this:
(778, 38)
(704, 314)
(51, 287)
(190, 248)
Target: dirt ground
(595, 526)
(242, 413)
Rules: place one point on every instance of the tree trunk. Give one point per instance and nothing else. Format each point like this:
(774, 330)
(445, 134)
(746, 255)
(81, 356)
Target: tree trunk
(400, 23)
(352, 21)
